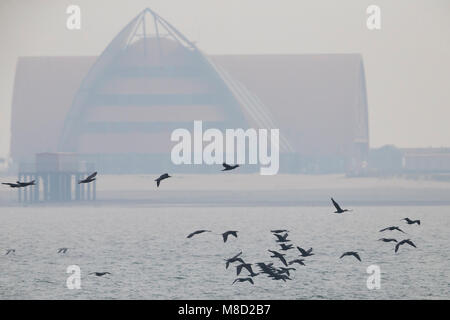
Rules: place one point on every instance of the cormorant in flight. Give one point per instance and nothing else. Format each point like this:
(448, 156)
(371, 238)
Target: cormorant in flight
(279, 256)
(408, 241)
(305, 253)
(338, 208)
(228, 167)
(281, 238)
(409, 221)
(234, 259)
(351, 253)
(243, 280)
(197, 232)
(286, 247)
(299, 261)
(226, 234)
(392, 229)
(387, 240)
(89, 179)
(162, 177)
(99, 274)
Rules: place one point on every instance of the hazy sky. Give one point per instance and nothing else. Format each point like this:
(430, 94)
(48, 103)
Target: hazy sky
(407, 61)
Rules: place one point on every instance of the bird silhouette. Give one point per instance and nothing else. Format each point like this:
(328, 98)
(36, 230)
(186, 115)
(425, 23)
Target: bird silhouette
(279, 231)
(409, 221)
(286, 247)
(298, 261)
(351, 253)
(285, 270)
(162, 177)
(392, 229)
(279, 256)
(408, 241)
(281, 238)
(62, 250)
(8, 251)
(99, 274)
(197, 232)
(227, 233)
(387, 240)
(338, 208)
(89, 179)
(305, 253)
(247, 266)
(234, 259)
(228, 167)
(243, 280)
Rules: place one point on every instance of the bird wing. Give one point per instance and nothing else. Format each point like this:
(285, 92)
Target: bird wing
(239, 269)
(336, 205)
(225, 236)
(91, 176)
(309, 250)
(302, 251)
(356, 256)
(283, 260)
(343, 255)
(237, 255)
(250, 280)
(410, 243)
(398, 245)
(158, 182)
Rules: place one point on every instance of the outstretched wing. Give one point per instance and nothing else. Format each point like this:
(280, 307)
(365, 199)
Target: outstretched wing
(410, 243)
(91, 176)
(356, 256)
(336, 205)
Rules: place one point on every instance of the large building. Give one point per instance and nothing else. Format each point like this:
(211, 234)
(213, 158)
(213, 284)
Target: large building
(119, 109)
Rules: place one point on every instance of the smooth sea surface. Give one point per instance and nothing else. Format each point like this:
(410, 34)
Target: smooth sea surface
(149, 256)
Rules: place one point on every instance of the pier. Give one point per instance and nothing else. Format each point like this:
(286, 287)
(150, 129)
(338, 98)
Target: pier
(56, 178)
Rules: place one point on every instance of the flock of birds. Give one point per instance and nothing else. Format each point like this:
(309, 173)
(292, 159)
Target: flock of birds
(283, 271)
(274, 272)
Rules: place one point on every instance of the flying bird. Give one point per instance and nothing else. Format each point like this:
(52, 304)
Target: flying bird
(8, 251)
(409, 221)
(162, 177)
(243, 280)
(387, 240)
(282, 270)
(338, 207)
(299, 261)
(392, 229)
(228, 167)
(279, 231)
(197, 232)
(99, 274)
(305, 253)
(226, 234)
(279, 256)
(89, 179)
(286, 247)
(62, 250)
(247, 266)
(281, 238)
(408, 241)
(351, 253)
(234, 259)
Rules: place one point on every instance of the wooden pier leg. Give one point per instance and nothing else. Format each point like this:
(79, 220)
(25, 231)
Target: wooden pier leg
(94, 190)
(77, 187)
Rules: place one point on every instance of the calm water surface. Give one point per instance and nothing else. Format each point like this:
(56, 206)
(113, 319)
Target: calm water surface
(147, 252)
